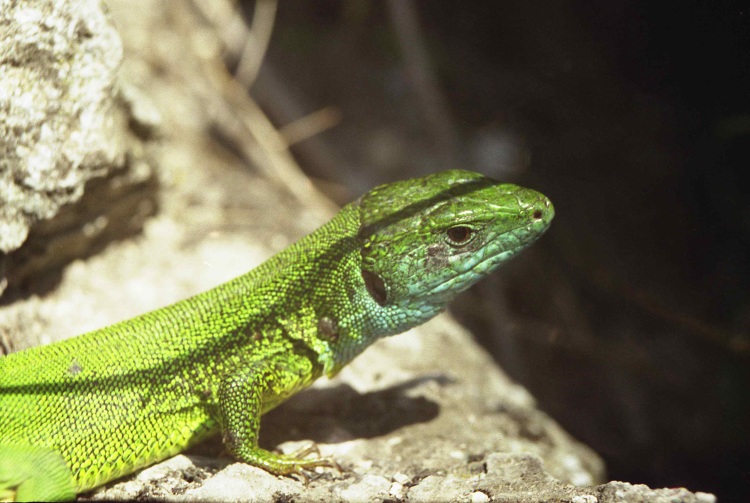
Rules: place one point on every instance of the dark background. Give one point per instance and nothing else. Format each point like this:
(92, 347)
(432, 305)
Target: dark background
(630, 320)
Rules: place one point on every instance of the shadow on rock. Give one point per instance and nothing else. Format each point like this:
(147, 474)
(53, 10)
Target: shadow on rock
(321, 414)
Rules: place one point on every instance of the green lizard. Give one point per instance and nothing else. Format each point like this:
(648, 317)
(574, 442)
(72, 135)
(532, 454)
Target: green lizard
(81, 412)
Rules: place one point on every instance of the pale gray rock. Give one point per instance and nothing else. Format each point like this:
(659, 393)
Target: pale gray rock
(58, 63)
(60, 128)
(637, 493)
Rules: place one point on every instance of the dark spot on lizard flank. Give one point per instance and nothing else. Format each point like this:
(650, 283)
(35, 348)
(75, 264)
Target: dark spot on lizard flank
(328, 328)
(74, 368)
(204, 393)
(248, 331)
(375, 287)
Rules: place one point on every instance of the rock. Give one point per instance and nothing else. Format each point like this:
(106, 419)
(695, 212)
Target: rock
(636, 493)
(62, 129)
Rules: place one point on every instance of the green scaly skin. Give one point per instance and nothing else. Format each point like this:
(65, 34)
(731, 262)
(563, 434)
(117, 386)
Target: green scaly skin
(81, 412)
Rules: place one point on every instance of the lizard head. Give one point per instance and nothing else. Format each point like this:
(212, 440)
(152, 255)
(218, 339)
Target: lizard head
(425, 240)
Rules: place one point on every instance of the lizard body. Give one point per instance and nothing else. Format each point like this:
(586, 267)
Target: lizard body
(104, 404)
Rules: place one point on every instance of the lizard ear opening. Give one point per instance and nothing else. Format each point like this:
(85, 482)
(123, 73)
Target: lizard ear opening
(375, 287)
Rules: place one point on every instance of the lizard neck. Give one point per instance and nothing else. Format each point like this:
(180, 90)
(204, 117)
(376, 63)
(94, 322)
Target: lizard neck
(345, 315)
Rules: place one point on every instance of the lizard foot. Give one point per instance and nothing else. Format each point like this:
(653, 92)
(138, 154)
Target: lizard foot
(306, 450)
(288, 464)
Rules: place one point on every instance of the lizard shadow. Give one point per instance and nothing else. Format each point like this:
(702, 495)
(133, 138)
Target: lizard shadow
(320, 414)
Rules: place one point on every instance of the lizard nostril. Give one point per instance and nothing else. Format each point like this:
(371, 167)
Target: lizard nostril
(538, 214)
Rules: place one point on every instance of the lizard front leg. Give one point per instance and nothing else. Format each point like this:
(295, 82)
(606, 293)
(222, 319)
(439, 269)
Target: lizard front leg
(249, 392)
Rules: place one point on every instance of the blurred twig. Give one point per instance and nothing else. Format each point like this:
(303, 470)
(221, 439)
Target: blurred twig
(310, 125)
(270, 153)
(239, 116)
(417, 66)
(283, 105)
(256, 42)
(271, 92)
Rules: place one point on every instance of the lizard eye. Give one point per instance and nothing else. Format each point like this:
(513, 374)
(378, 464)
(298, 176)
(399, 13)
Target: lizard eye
(459, 235)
